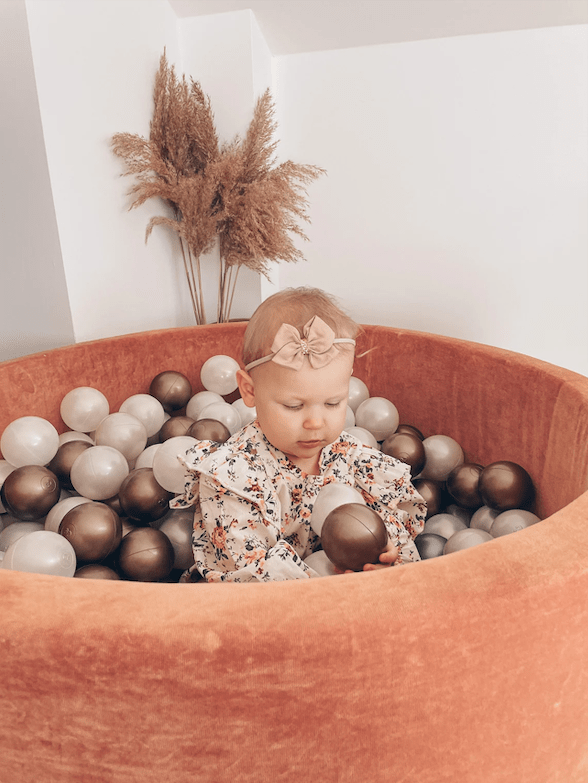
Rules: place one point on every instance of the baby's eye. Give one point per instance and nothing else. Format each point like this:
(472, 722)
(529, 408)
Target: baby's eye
(293, 407)
(333, 404)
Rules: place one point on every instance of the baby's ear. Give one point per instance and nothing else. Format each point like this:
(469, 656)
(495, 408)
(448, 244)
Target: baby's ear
(246, 387)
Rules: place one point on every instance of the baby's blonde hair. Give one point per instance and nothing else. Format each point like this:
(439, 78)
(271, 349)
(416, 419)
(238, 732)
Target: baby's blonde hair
(295, 306)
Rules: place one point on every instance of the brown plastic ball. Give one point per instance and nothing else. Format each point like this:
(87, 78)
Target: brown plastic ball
(432, 493)
(146, 555)
(408, 448)
(93, 529)
(172, 389)
(114, 504)
(96, 571)
(504, 485)
(65, 457)
(209, 429)
(174, 427)
(30, 492)
(410, 429)
(353, 535)
(462, 484)
(141, 498)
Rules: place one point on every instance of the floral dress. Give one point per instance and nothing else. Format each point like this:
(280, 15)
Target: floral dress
(252, 505)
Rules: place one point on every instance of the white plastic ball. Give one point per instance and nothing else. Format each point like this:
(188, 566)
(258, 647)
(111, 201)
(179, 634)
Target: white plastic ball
(59, 510)
(145, 458)
(246, 414)
(379, 416)
(123, 432)
(320, 563)
(178, 527)
(511, 521)
(199, 401)
(363, 435)
(219, 374)
(442, 455)
(464, 539)
(223, 412)
(349, 418)
(330, 497)
(98, 472)
(483, 518)
(29, 440)
(5, 470)
(147, 409)
(17, 530)
(84, 408)
(41, 552)
(358, 393)
(168, 471)
(65, 437)
(444, 525)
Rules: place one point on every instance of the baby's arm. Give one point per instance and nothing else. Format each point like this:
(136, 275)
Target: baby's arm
(233, 542)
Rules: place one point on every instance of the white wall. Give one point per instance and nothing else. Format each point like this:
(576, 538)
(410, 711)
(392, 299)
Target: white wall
(456, 200)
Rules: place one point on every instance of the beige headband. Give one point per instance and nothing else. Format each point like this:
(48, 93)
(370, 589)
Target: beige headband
(289, 349)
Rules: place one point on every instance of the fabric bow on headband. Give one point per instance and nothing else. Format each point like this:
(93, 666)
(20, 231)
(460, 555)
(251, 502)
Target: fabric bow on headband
(317, 342)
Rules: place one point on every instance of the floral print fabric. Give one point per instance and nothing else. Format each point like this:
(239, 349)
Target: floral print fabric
(252, 506)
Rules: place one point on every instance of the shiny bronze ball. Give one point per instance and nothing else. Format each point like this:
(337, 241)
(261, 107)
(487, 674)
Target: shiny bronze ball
(65, 457)
(410, 429)
(172, 389)
(504, 485)
(142, 499)
(209, 429)
(93, 529)
(174, 427)
(353, 535)
(408, 448)
(114, 504)
(30, 492)
(96, 571)
(432, 493)
(146, 555)
(429, 545)
(462, 485)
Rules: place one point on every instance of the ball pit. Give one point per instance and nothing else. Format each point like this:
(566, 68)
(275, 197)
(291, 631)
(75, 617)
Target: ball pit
(173, 681)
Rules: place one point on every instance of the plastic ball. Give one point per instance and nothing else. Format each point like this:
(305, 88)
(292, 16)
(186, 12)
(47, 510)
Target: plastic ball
(29, 492)
(363, 436)
(329, 498)
(432, 494)
(379, 416)
(65, 457)
(483, 518)
(429, 545)
(96, 571)
(5, 469)
(223, 412)
(444, 525)
(406, 447)
(172, 389)
(320, 563)
(511, 521)
(98, 472)
(410, 429)
(147, 409)
(199, 401)
(246, 414)
(175, 427)
(65, 437)
(219, 374)
(504, 485)
(59, 510)
(146, 555)
(442, 455)
(349, 418)
(84, 408)
(29, 440)
(93, 529)
(353, 535)
(209, 429)
(142, 498)
(41, 552)
(464, 539)
(168, 470)
(123, 432)
(17, 530)
(462, 485)
(178, 527)
(465, 514)
(358, 393)
(145, 458)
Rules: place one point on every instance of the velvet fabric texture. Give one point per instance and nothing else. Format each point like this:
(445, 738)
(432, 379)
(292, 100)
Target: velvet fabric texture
(471, 667)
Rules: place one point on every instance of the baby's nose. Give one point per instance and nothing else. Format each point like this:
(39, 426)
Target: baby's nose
(313, 421)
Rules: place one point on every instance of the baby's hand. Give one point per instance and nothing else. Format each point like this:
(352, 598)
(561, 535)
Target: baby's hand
(387, 558)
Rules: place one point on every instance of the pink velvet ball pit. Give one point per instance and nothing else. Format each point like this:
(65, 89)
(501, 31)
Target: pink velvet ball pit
(472, 667)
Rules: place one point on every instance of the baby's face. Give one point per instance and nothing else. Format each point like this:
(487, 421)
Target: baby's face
(302, 411)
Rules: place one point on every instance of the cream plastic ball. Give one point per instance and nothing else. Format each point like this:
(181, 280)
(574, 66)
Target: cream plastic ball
(223, 412)
(444, 525)
(17, 530)
(29, 440)
(5, 470)
(330, 497)
(84, 408)
(41, 552)
(168, 471)
(379, 416)
(65, 437)
(320, 563)
(358, 392)
(464, 539)
(442, 455)
(59, 510)
(246, 414)
(482, 518)
(363, 435)
(178, 526)
(145, 458)
(98, 472)
(219, 374)
(199, 401)
(123, 432)
(511, 521)
(147, 409)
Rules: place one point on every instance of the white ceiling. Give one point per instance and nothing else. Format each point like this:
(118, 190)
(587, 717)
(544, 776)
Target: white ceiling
(293, 26)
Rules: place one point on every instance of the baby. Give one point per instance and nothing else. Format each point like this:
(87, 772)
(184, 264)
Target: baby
(254, 494)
